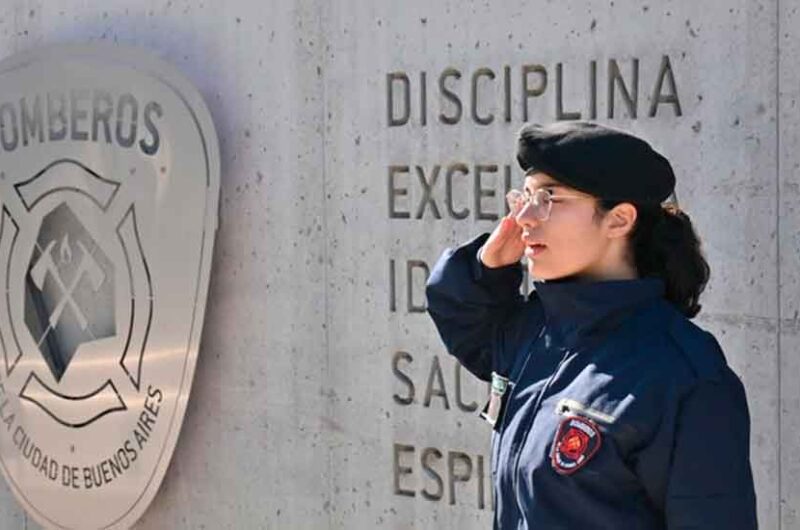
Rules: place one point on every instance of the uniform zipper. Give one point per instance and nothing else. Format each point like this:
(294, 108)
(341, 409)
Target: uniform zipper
(513, 387)
(537, 405)
(513, 384)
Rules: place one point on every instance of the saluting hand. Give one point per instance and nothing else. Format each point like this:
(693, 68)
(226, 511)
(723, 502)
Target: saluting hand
(505, 245)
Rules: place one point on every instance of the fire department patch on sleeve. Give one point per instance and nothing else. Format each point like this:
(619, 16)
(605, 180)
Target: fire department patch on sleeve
(577, 440)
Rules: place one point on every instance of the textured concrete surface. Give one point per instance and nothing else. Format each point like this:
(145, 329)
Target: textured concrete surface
(302, 413)
(788, 266)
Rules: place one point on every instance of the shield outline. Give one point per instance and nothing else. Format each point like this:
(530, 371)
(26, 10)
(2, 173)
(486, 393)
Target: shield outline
(586, 455)
(148, 64)
(101, 192)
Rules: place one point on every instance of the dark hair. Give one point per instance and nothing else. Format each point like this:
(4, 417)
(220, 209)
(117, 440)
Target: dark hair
(665, 245)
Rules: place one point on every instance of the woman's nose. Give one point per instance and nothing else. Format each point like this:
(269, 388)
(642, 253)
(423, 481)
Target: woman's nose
(525, 217)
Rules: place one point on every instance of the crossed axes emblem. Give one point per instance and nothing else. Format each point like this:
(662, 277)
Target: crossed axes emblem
(87, 267)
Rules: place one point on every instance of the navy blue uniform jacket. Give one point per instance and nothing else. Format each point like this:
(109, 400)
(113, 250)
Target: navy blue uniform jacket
(665, 422)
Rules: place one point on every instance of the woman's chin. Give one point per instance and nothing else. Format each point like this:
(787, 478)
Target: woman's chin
(541, 274)
(536, 272)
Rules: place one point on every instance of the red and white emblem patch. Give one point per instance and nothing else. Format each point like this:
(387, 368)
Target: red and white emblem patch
(576, 441)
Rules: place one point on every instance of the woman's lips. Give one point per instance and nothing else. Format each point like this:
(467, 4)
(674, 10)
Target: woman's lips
(532, 251)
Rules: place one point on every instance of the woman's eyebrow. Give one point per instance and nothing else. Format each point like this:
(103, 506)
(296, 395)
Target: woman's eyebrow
(531, 189)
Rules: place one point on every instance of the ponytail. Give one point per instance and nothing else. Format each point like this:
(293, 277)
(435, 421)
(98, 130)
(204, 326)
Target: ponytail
(664, 245)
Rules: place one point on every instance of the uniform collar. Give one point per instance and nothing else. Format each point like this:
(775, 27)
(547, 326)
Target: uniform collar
(580, 309)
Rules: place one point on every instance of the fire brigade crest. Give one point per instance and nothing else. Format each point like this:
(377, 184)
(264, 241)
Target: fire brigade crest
(108, 203)
(577, 440)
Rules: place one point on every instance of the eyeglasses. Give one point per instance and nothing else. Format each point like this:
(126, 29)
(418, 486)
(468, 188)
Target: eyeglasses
(542, 201)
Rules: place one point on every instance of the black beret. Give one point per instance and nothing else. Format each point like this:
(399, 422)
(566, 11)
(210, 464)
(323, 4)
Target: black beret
(602, 161)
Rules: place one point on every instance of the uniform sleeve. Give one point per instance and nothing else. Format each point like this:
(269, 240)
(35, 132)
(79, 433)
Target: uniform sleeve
(698, 469)
(710, 483)
(468, 303)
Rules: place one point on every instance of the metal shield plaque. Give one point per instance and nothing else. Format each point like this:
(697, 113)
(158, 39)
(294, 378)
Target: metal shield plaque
(109, 186)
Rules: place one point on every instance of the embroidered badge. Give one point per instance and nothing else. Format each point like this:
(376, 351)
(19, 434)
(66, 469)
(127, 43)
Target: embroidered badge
(576, 441)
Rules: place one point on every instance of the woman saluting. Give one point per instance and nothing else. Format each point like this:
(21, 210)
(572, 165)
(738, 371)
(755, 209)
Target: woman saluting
(611, 409)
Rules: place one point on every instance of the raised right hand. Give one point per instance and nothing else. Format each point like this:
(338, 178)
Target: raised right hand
(504, 246)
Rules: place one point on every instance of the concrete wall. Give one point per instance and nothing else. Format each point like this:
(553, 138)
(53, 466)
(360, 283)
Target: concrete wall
(298, 416)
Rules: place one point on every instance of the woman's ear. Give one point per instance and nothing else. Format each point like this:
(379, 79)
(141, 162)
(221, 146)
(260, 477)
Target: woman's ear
(620, 220)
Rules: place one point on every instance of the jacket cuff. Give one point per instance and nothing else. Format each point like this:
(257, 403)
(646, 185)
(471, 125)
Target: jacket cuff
(505, 275)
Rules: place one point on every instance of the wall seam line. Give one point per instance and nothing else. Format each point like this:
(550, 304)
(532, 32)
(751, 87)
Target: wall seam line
(329, 405)
(778, 248)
